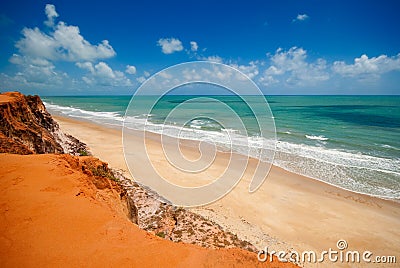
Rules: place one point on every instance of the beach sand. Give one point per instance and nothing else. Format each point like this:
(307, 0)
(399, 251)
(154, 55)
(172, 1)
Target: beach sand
(54, 215)
(288, 212)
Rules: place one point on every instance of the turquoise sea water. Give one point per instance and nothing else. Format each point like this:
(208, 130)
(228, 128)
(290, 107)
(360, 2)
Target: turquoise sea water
(349, 141)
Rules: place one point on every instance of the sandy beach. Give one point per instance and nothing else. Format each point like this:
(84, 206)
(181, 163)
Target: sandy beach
(288, 212)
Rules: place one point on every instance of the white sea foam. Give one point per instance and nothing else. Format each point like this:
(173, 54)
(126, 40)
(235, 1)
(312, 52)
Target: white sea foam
(319, 138)
(389, 147)
(331, 156)
(229, 130)
(100, 117)
(195, 126)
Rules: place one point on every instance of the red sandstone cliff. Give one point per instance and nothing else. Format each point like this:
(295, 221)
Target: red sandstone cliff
(26, 127)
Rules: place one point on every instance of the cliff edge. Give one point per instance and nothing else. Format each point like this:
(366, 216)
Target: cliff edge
(26, 127)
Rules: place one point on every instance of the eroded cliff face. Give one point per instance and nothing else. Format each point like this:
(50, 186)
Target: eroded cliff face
(153, 213)
(26, 127)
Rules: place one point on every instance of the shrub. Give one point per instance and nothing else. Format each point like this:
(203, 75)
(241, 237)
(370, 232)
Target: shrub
(161, 234)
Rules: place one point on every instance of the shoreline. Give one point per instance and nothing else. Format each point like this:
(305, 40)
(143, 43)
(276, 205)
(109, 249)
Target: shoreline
(289, 211)
(188, 142)
(342, 163)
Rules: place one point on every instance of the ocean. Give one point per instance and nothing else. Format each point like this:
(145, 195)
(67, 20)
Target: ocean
(352, 142)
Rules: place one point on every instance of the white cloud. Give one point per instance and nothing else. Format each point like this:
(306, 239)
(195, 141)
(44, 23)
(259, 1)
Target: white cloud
(36, 44)
(51, 13)
(219, 73)
(216, 74)
(188, 75)
(85, 65)
(35, 71)
(267, 80)
(144, 77)
(77, 48)
(141, 79)
(39, 50)
(103, 70)
(18, 59)
(301, 17)
(363, 65)
(193, 46)
(272, 70)
(291, 60)
(216, 59)
(130, 69)
(165, 75)
(102, 74)
(64, 43)
(170, 45)
(292, 65)
(250, 70)
(88, 80)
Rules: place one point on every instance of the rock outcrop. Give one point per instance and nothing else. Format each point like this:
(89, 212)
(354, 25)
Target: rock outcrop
(26, 127)
(153, 213)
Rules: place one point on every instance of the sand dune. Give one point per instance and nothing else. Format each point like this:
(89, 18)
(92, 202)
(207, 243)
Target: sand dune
(53, 215)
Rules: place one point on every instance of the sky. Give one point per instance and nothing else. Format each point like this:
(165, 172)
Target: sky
(287, 47)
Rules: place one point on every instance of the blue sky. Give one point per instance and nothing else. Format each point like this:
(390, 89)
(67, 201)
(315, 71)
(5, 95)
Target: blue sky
(286, 47)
